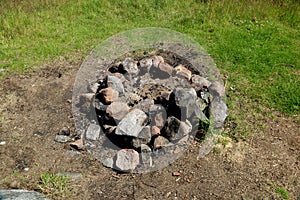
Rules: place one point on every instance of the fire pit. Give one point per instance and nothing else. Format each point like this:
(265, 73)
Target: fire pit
(139, 111)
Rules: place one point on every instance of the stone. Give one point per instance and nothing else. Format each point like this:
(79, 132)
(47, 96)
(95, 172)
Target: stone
(115, 83)
(218, 112)
(160, 142)
(93, 132)
(155, 130)
(182, 71)
(117, 110)
(108, 162)
(145, 105)
(86, 98)
(127, 159)
(65, 131)
(198, 82)
(78, 144)
(171, 127)
(93, 87)
(166, 69)
(145, 65)
(185, 96)
(14, 185)
(2, 143)
(146, 158)
(21, 195)
(217, 89)
(99, 105)
(144, 137)
(130, 66)
(132, 123)
(71, 175)
(156, 60)
(158, 115)
(62, 138)
(109, 95)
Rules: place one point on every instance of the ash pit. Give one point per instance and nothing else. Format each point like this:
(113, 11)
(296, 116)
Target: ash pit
(150, 105)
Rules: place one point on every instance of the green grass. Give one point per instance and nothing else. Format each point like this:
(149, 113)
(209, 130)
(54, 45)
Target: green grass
(54, 185)
(255, 42)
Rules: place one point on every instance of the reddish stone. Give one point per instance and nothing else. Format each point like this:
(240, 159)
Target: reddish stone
(117, 110)
(155, 130)
(182, 71)
(156, 60)
(165, 67)
(109, 95)
(160, 141)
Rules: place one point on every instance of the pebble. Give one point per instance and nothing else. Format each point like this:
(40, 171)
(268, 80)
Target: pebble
(2, 70)
(62, 138)
(108, 162)
(155, 130)
(166, 68)
(132, 123)
(71, 175)
(78, 144)
(2, 143)
(127, 159)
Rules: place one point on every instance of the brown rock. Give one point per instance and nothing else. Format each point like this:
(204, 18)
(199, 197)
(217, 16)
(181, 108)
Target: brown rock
(156, 60)
(78, 144)
(166, 68)
(117, 110)
(182, 71)
(176, 174)
(155, 130)
(160, 141)
(109, 95)
(159, 119)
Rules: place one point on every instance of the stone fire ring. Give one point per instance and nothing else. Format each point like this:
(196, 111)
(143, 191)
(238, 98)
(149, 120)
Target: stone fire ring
(123, 82)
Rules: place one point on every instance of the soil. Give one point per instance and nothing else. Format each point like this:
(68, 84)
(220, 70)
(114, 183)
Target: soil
(35, 107)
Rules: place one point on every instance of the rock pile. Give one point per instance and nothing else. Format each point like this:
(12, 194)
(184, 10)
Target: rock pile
(144, 105)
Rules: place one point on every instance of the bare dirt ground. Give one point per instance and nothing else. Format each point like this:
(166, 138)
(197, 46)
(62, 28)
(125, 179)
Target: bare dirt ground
(35, 107)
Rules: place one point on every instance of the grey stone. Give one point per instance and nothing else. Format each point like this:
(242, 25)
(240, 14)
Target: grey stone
(71, 175)
(117, 110)
(93, 87)
(144, 137)
(62, 138)
(127, 159)
(130, 66)
(145, 105)
(185, 96)
(115, 83)
(198, 82)
(158, 115)
(99, 105)
(132, 123)
(218, 112)
(108, 162)
(146, 158)
(93, 132)
(21, 195)
(217, 89)
(171, 127)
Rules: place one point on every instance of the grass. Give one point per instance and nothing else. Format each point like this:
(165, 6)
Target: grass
(256, 43)
(54, 185)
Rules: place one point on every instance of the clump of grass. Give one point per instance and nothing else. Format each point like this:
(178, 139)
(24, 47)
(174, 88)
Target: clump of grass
(282, 192)
(54, 185)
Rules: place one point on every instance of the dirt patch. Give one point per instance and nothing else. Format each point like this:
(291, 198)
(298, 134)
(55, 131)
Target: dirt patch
(35, 107)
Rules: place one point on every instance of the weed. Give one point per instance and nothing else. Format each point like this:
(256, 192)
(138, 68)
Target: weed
(54, 185)
(282, 191)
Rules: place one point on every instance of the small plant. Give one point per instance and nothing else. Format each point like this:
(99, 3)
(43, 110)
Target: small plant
(282, 191)
(54, 185)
